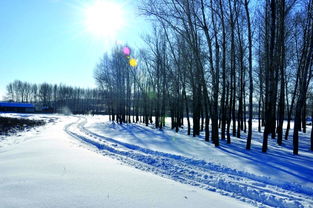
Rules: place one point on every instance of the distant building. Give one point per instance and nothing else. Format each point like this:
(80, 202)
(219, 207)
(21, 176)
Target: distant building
(17, 107)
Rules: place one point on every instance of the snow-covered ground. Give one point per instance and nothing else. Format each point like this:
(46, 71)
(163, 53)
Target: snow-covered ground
(86, 161)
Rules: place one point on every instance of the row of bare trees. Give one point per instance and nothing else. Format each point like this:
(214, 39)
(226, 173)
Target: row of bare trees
(56, 98)
(224, 62)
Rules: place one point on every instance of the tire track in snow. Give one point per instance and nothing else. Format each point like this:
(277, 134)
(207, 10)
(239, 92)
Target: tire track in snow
(241, 185)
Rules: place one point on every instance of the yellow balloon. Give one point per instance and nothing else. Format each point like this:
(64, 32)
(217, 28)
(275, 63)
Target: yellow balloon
(132, 62)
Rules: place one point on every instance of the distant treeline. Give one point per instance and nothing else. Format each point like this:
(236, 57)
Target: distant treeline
(56, 98)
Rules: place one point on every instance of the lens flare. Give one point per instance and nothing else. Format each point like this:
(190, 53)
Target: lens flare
(126, 51)
(133, 62)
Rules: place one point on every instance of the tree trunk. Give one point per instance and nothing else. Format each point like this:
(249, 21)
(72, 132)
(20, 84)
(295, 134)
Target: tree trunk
(248, 145)
(296, 128)
(303, 117)
(232, 68)
(223, 114)
(281, 42)
(291, 107)
(196, 113)
(312, 127)
(270, 82)
(206, 111)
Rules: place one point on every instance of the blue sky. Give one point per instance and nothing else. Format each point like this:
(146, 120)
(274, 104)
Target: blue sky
(47, 41)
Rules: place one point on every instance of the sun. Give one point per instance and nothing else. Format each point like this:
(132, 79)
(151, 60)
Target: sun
(104, 18)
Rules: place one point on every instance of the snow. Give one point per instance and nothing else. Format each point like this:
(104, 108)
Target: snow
(278, 163)
(87, 161)
(46, 167)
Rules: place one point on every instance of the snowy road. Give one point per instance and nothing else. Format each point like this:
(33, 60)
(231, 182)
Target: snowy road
(255, 190)
(47, 168)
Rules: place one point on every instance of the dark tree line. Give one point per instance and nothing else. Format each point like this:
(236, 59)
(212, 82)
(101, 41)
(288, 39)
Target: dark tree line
(221, 63)
(57, 98)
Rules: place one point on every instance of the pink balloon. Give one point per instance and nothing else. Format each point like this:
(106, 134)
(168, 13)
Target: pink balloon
(126, 51)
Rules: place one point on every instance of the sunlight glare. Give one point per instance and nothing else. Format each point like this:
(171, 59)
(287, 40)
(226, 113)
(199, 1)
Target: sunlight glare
(104, 19)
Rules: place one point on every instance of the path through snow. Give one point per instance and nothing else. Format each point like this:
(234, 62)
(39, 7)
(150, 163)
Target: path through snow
(45, 167)
(256, 190)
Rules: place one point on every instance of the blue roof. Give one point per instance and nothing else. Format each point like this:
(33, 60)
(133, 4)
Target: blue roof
(16, 105)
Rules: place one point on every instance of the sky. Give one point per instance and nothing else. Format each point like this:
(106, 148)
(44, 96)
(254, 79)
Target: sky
(55, 41)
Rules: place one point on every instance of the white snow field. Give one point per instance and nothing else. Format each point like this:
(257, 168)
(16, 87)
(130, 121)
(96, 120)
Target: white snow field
(87, 161)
